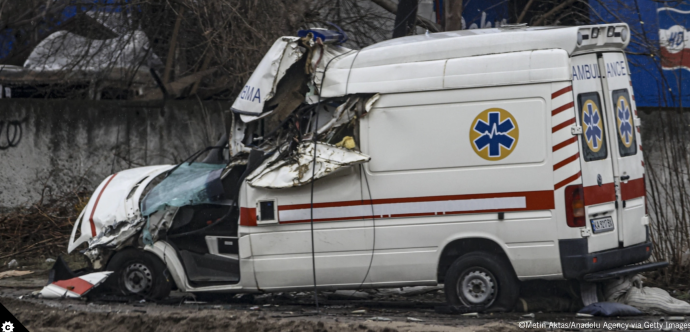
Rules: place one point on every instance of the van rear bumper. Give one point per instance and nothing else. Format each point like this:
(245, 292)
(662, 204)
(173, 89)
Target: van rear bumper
(576, 262)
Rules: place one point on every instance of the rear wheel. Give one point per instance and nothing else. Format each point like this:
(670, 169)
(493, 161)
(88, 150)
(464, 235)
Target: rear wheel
(139, 274)
(483, 281)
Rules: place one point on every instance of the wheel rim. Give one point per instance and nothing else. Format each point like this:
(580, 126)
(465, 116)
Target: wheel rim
(477, 286)
(137, 278)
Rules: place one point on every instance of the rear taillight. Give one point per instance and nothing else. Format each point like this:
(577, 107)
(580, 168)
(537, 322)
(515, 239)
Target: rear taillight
(575, 206)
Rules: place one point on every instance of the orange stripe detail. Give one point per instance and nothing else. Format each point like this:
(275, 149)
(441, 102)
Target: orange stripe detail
(95, 205)
(566, 181)
(562, 108)
(563, 125)
(566, 161)
(564, 143)
(561, 91)
(597, 195)
(77, 285)
(632, 189)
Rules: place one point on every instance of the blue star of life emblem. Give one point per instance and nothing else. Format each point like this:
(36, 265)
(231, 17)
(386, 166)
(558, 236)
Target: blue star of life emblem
(494, 134)
(624, 117)
(593, 132)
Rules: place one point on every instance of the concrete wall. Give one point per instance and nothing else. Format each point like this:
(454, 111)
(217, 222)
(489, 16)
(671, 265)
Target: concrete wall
(53, 145)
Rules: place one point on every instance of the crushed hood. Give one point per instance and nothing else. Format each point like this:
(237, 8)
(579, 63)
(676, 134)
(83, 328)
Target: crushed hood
(116, 200)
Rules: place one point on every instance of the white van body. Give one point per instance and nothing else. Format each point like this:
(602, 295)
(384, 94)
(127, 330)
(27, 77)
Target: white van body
(479, 142)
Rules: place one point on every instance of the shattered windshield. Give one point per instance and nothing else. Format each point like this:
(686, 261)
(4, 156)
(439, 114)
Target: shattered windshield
(194, 184)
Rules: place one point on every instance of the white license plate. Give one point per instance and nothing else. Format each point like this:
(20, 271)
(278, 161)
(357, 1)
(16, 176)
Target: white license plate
(602, 225)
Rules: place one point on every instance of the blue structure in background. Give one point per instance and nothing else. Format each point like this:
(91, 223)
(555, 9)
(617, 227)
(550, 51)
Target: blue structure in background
(658, 75)
(659, 66)
(7, 37)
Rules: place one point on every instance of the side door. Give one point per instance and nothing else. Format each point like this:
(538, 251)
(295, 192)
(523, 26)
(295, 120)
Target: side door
(626, 150)
(596, 157)
(281, 233)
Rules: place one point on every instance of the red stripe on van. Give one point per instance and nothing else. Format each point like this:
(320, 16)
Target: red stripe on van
(597, 195)
(95, 205)
(534, 200)
(536, 196)
(564, 143)
(566, 161)
(642, 163)
(562, 108)
(247, 216)
(640, 147)
(561, 91)
(632, 189)
(566, 181)
(563, 125)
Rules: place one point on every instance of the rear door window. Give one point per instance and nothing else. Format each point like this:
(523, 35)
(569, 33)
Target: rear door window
(592, 122)
(624, 123)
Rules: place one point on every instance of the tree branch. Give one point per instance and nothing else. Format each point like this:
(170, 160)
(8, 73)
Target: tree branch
(392, 8)
(553, 11)
(524, 11)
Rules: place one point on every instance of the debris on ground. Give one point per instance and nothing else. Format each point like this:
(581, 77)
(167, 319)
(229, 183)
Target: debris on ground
(381, 319)
(73, 288)
(610, 309)
(13, 273)
(650, 300)
(13, 264)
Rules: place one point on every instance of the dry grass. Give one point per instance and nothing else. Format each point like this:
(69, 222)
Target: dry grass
(42, 228)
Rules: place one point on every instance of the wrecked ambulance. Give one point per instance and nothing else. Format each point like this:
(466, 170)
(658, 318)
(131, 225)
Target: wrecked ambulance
(474, 159)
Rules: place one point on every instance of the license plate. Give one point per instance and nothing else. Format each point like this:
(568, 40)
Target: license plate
(602, 225)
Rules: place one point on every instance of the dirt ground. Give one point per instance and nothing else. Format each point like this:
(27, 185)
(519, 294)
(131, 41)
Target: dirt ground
(409, 309)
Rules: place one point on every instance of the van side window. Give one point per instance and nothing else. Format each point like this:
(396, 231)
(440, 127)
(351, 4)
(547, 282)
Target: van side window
(625, 124)
(592, 121)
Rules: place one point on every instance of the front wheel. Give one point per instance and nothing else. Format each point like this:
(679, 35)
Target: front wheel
(482, 281)
(139, 274)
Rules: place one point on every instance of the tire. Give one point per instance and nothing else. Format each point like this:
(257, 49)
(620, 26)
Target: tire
(482, 281)
(139, 274)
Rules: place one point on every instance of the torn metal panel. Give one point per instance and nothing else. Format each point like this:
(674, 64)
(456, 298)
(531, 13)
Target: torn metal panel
(74, 288)
(325, 56)
(297, 170)
(262, 85)
(341, 115)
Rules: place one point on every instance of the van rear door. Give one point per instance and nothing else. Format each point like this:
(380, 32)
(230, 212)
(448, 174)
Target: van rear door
(626, 150)
(601, 217)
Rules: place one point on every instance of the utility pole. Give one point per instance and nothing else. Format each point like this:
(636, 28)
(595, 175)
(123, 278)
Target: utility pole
(453, 10)
(405, 18)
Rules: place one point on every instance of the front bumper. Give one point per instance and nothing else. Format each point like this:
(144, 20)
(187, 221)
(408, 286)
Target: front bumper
(576, 262)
